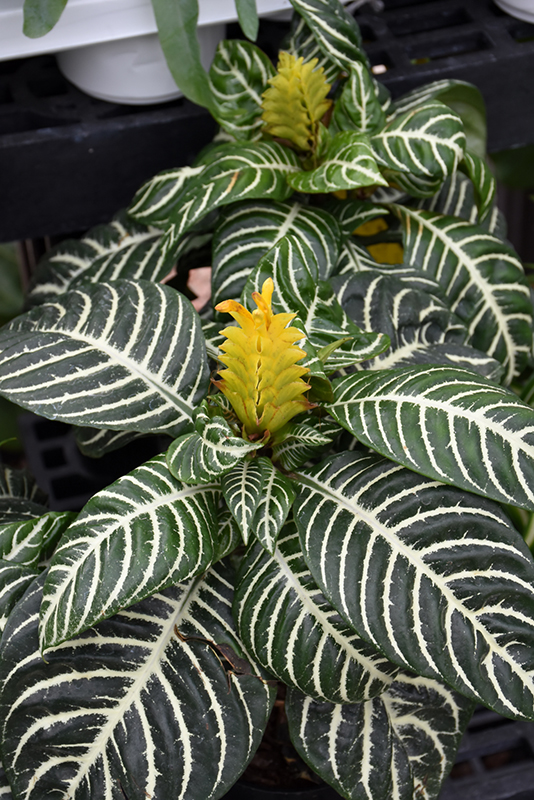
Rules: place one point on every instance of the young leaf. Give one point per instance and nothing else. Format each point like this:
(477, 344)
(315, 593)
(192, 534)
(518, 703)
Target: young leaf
(238, 76)
(275, 504)
(242, 489)
(114, 736)
(358, 106)
(294, 632)
(482, 278)
(401, 744)
(483, 181)
(334, 29)
(447, 423)
(40, 16)
(141, 534)
(442, 575)
(121, 355)
(304, 440)
(205, 455)
(349, 164)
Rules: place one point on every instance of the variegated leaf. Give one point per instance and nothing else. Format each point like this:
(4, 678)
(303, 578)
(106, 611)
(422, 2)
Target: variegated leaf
(20, 497)
(143, 533)
(483, 181)
(354, 258)
(96, 442)
(305, 440)
(294, 632)
(228, 535)
(447, 423)
(433, 576)
(238, 75)
(151, 711)
(350, 214)
(23, 542)
(301, 43)
(334, 29)
(398, 746)
(275, 504)
(464, 98)
(248, 230)
(122, 249)
(207, 453)
(427, 142)
(242, 490)
(348, 164)
(121, 355)
(15, 579)
(481, 277)
(456, 198)
(154, 201)
(358, 105)
(323, 319)
(239, 171)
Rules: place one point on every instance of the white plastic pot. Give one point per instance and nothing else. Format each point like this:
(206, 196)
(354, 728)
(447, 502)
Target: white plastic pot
(523, 9)
(109, 48)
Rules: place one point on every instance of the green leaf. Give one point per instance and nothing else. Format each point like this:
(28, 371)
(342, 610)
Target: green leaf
(121, 355)
(143, 533)
(228, 536)
(301, 43)
(447, 423)
(242, 489)
(248, 18)
(208, 453)
(20, 497)
(277, 496)
(151, 712)
(464, 98)
(15, 579)
(122, 249)
(304, 440)
(96, 442)
(156, 198)
(358, 105)
(349, 164)
(354, 258)
(427, 142)
(40, 16)
(240, 171)
(11, 293)
(295, 633)
(481, 277)
(350, 214)
(456, 198)
(483, 181)
(334, 29)
(239, 75)
(248, 230)
(433, 576)
(23, 542)
(400, 745)
(177, 30)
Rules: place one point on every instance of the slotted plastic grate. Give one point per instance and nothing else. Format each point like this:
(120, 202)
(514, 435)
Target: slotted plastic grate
(69, 161)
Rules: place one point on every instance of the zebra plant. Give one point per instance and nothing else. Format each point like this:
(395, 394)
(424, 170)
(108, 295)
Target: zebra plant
(339, 510)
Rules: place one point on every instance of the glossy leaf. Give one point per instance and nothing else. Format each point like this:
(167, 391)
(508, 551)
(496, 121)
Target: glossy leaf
(442, 575)
(242, 490)
(156, 198)
(277, 496)
(96, 442)
(207, 453)
(241, 171)
(122, 249)
(15, 578)
(151, 707)
(481, 277)
(349, 163)
(20, 496)
(398, 746)
(334, 29)
(296, 634)
(23, 542)
(304, 440)
(248, 230)
(143, 533)
(358, 105)
(447, 423)
(121, 355)
(483, 181)
(239, 75)
(301, 43)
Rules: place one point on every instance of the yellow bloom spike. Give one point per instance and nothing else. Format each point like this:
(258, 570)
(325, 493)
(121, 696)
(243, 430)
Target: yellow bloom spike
(262, 380)
(295, 101)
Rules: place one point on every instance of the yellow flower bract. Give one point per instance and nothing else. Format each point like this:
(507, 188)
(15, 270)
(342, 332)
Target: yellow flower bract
(295, 101)
(262, 379)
